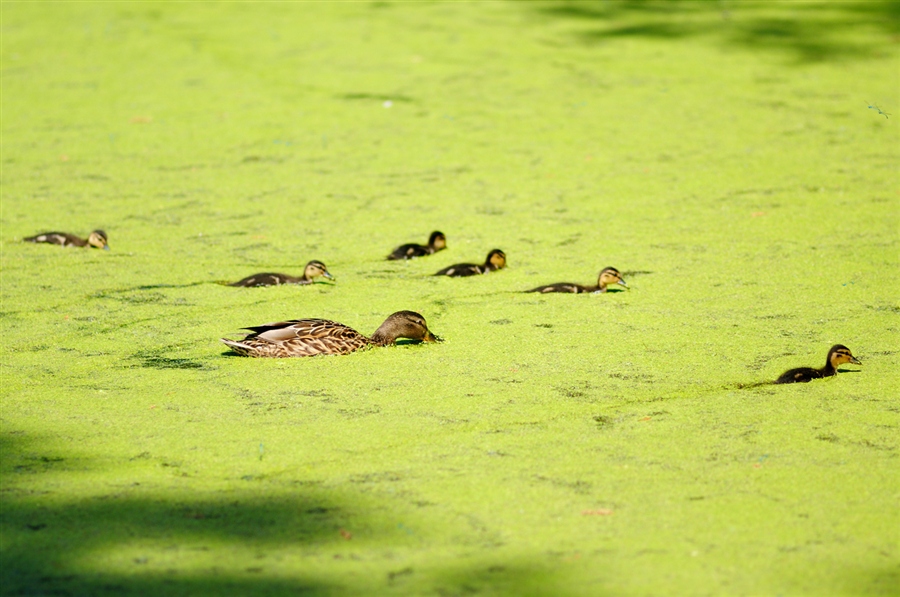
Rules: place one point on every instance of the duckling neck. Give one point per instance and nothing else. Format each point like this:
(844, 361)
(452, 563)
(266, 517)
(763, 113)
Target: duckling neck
(828, 370)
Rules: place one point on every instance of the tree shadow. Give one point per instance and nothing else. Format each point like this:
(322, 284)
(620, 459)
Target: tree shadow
(125, 539)
(808, 32)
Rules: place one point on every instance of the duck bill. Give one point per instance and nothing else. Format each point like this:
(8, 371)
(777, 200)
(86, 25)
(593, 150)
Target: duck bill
(855, 361)
(106, 247)
(429, 337)
(328, 275)
(622, 282)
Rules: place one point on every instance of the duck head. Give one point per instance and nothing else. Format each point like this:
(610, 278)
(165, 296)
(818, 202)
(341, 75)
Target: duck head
(404, 324)
(315, 269)
(610, 275)
(840, 354)
(496, 259)
(98, 239)
(437, 241)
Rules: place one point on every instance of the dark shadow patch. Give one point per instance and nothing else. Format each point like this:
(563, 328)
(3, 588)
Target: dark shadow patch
(398, 573)
(603, 421)
(315, 393)
(571, 392)
(809, 33)
(500, 322)
(579, 487)
(383, 477)
(889, 308)
(872, 445)
(382, 97)
(255, 159)
(148, 298)
(633, 377)
(408, 341)
(161, 362)
(355, 413)
(747, 386)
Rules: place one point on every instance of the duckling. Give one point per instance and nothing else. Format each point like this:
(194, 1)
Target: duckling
(310, 337)
(609, 275)
(436, 242)
(97, 239)
(837, 356)
(313, 270)
(496, 259)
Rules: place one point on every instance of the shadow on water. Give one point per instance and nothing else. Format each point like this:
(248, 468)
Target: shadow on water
(130, 539)
(809, 32)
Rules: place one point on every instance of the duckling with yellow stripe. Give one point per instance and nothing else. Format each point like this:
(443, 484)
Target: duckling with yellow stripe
(97, 239)
(608, 276)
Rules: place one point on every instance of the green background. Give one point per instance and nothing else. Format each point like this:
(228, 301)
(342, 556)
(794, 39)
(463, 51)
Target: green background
(723, 155)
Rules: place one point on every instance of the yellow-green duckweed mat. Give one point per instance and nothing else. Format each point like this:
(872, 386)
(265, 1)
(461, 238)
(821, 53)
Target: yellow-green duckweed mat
(737, 161)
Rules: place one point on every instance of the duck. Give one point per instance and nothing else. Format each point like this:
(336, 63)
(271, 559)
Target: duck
(97, 239)
(311, 337)
(496, 259)
(608, 275)
(837, 356)
(436, 242)
(314, 269)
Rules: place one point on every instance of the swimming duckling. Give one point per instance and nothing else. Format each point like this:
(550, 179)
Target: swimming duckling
(496, 259)
(436, 242)
(310, 337)
(609, 275)
(837, 356)
(313, 270)
(97, 239)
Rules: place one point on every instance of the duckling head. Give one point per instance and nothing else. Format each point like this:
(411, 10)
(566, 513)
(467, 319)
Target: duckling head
(314, 269)
(98, 239)
(610, 275)
(497, 258)
(840, 354)
(437, 240)
(404, 324)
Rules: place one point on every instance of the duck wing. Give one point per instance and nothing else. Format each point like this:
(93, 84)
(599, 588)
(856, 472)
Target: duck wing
(307, 337)
(560, 287)
(56, 238)
(265, 279)
(461, 270)
(408, 252)
(799, 375)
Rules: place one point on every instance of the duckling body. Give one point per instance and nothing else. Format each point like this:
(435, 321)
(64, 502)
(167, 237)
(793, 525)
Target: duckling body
(837, 356)
(97, 239)
(313, 270)
(608, 275)
(311, 337)
(496, 259)
(436, 242)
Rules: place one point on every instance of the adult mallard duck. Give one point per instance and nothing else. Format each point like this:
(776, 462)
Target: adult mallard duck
(436, 242)
(314, 269)
(496, 259)
(310, 337)
(837, 356)
(97, 239)
(609, 275)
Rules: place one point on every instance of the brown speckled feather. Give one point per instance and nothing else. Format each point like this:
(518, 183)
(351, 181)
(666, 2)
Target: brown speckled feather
(299, 338)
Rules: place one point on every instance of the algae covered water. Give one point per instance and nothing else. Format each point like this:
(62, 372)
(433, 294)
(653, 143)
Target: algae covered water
(735, 161)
